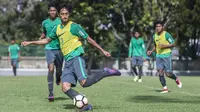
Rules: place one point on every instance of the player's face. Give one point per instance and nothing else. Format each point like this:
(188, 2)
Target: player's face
(159, 28)
(52, 12)
(12, 41)
(64, 15)
(137, 34)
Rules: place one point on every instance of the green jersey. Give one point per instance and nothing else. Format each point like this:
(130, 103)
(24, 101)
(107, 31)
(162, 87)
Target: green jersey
(164, 38)
(14, 51)
(73, 30)
(47, 26)
(137, 47)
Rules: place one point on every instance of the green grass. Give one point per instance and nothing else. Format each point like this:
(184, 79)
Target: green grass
(117, 94)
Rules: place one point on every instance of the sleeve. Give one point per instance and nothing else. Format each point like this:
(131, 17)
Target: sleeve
(53, 35)
(18, 48)
(78, 31)
(43, 28)
(169, 38)
(8, 48)
(144, 49)
(130, 49)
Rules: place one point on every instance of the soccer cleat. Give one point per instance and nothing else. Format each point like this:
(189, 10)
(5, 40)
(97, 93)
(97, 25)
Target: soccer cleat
(178, 82)
(164, 91)
(58, 82)
(140, 80)
(51, 98)
(86, 108)
(112, 72)
(135, 78)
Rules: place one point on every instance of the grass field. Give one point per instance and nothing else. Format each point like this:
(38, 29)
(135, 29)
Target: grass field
(118, 94)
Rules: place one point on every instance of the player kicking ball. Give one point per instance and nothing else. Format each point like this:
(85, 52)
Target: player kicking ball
(69, 35)
(163, 43)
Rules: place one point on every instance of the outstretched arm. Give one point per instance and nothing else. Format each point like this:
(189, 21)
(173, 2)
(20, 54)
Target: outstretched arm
(38, 42)
(91, 41)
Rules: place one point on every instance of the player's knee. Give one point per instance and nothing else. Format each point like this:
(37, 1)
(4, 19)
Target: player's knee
(160, 73)
(82, 83)
(168, 73)
(51, 69)
(134, 66)
(65, 86)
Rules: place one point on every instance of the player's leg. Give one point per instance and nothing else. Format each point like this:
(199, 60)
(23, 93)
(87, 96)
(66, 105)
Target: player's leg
(160, 68)
(58, 64)
(140, 67)
(14, 66)
(169, 73)
(50, 77)
(134, 65)
(69, 80)
(86, 81)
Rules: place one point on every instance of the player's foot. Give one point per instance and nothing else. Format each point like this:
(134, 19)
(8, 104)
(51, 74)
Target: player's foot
(165, 90)
(178, 82)
(140, 80)
(51, 98)
(57, 81)
(135, 78)
(86, 108)
(112, 72)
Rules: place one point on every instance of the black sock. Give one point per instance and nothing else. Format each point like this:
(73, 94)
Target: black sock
(15, 71)
(71, 93)
(140, 72)
(135, 70)
(94, 78)
(58, 74)
(162, 80)
(171, 75)
(50, 79)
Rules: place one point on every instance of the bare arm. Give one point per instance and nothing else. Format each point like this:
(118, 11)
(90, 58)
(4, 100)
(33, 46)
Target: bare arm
(38, 42)
(91, 41)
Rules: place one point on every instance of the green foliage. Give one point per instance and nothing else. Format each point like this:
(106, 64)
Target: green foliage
(109, 22)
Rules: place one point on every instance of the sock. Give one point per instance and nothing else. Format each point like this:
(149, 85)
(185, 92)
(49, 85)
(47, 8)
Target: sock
(94, 78)
(71, 93)
(58, 74)
(162, 80)
(15, 71)
(140, 72)
(50, 79)
(171, 75)
(135, 70)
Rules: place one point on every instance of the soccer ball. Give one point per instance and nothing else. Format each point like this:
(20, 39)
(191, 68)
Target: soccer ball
(80, 101)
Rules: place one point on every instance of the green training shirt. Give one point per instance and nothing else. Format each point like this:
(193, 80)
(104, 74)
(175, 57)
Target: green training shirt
(137, 47)
(75, 30)
(14, 50)
(47, 26)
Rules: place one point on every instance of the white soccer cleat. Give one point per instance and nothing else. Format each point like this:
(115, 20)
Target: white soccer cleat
(135, 79)
(165, 90)
(140, 80)
(178, 82)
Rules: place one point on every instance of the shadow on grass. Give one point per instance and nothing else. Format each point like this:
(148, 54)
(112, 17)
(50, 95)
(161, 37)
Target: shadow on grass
(59, 98)
(162, 99)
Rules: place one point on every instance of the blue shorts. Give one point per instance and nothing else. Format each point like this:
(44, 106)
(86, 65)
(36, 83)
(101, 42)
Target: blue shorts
(14, 62)
(137, 60)
(164, 64)
(55, 57)
(74, 70)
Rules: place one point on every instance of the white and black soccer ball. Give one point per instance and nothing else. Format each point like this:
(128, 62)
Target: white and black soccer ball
(80, 101)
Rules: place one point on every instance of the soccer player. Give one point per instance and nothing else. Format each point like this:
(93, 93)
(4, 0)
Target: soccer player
(137, 51)
(52, 49)
(14, 55)
(69, 35)
(163, 44)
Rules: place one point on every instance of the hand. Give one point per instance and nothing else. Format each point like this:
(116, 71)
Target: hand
(107, 54)
(25, 43)
(149, 53)
(162, 46)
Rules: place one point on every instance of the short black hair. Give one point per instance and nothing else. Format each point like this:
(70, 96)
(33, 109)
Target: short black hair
(52, 5)
(159, 22)
(66, 6)
(12, 39)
